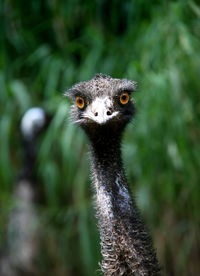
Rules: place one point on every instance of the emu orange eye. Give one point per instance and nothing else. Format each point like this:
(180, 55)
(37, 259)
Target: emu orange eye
(80, 102)
(124, 98)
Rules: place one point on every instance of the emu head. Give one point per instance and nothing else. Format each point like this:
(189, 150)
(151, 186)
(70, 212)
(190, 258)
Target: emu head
(102, 104)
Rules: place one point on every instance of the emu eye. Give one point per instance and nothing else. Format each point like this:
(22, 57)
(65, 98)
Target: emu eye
(80, 103)
(124, 98)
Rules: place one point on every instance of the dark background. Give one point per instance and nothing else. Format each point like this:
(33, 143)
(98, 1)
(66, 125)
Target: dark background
(45, 47)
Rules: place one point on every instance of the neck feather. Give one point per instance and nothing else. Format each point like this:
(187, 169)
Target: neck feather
(112, 195)
(125, 245)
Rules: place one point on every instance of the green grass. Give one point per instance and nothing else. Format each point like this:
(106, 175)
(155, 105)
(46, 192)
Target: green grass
(46, 47)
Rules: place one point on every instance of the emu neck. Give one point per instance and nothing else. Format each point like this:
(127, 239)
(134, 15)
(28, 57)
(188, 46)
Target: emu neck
(112, 196)
(125, 244)
(29, 160)
(106, 154)
(106, 157)
(113, 205)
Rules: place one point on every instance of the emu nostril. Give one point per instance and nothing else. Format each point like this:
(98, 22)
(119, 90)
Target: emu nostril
(109, 113)
(96, 114)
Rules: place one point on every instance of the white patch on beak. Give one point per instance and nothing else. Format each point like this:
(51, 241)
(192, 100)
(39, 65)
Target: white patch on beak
(100, 111)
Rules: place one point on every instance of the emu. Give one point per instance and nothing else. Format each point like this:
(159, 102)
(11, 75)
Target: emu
(103, 107)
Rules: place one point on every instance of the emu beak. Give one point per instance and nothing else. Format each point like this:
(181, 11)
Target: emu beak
(101, 111)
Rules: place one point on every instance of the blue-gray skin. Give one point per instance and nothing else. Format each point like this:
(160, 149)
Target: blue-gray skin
(126, 247)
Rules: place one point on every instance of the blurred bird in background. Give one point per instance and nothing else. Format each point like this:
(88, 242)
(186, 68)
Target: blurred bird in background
(23, 235)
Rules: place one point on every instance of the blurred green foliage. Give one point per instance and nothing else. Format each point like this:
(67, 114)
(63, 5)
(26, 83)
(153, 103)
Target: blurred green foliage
(45, 47)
